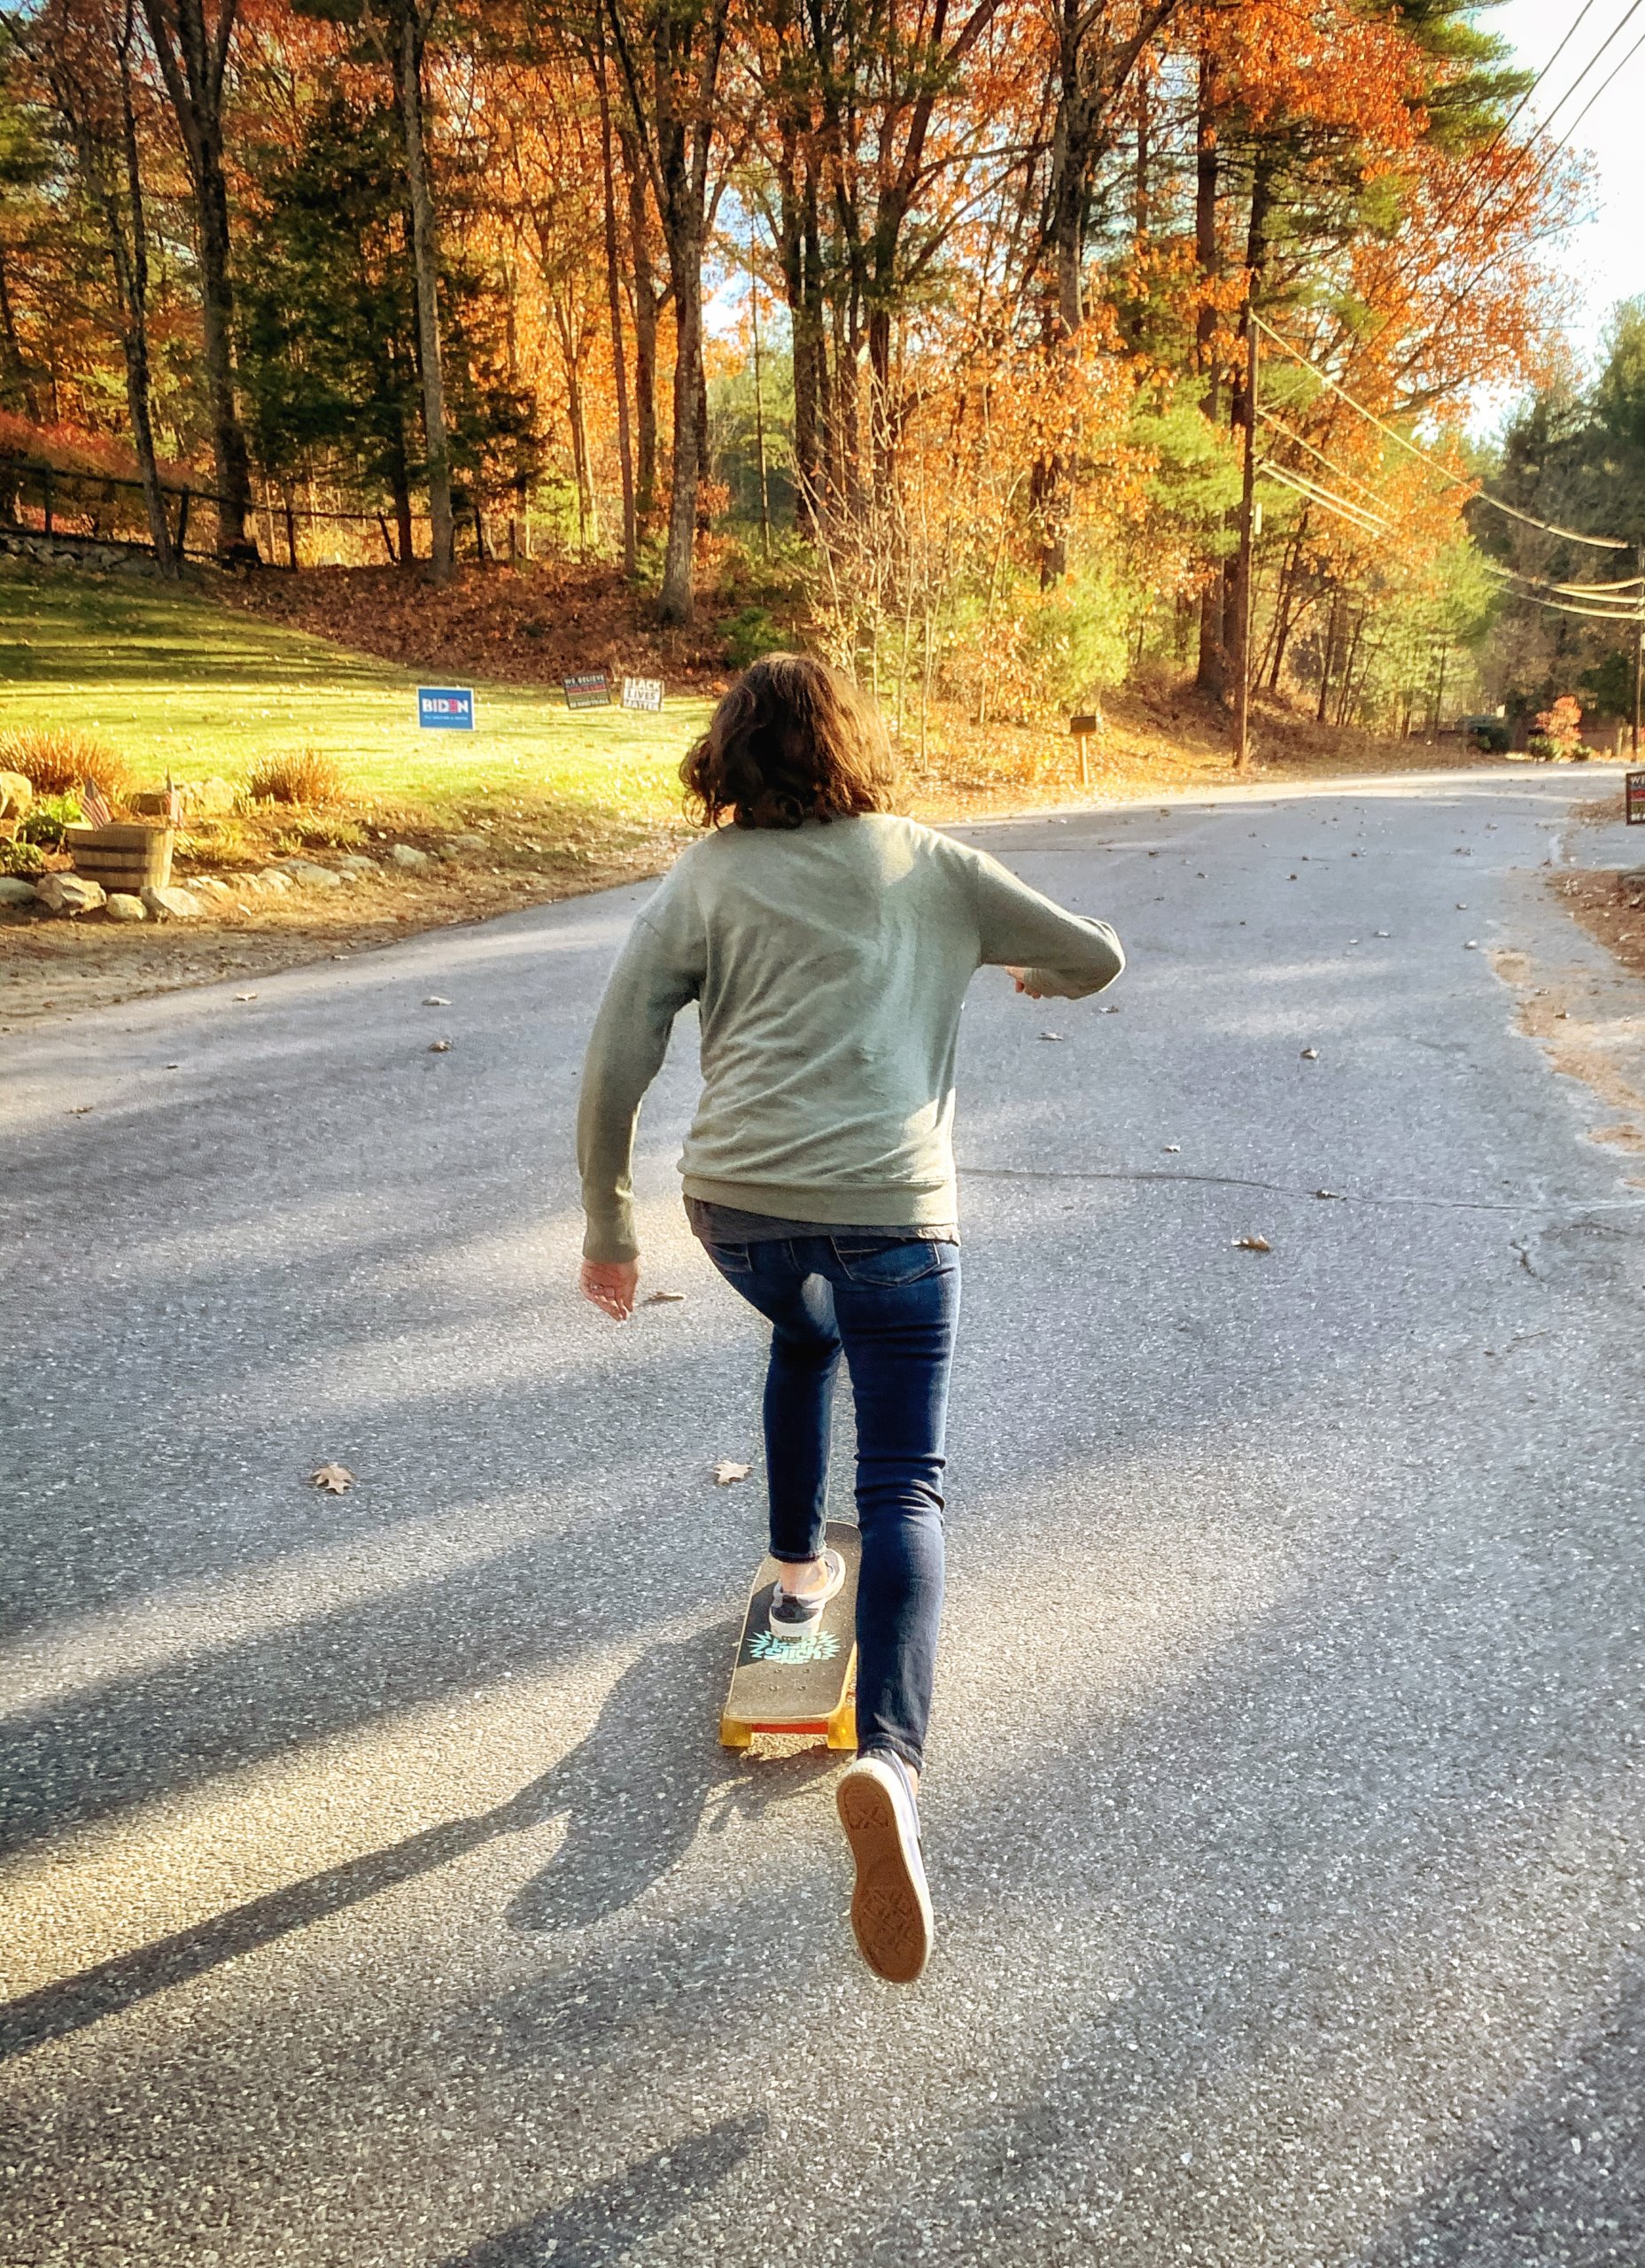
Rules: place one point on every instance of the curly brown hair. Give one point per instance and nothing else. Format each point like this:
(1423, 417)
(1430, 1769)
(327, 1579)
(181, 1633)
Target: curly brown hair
(792, 739)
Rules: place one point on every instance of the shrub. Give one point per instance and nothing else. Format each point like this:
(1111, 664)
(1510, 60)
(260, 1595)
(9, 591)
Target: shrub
(751, 633)
(56, 763)
(308, 777)
(50, 820)
(21, 858)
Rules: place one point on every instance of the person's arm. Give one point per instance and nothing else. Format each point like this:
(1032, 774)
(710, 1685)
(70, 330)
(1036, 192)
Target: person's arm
(652, 981)
(1049, 952)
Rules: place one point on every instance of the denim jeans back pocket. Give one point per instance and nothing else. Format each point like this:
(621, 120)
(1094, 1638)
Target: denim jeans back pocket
(730, 1259)
(895, 1259)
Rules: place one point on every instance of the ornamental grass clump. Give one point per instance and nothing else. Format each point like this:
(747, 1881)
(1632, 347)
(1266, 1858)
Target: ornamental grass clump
(60, 763)
(308, 777)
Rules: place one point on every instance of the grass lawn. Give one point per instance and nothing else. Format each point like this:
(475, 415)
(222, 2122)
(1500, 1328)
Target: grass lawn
(175, 683)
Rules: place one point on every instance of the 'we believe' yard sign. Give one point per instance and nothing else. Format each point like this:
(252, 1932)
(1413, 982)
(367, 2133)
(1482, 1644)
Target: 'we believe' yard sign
(446, 708)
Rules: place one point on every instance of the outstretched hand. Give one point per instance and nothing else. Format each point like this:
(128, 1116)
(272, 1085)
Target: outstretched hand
(1020, 977)
(611, 1285)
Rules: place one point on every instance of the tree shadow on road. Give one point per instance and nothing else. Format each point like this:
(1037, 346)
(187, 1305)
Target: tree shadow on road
(633, 1793)
(607, 2221)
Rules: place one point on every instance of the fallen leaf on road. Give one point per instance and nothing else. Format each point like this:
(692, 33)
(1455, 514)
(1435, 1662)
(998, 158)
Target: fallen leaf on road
(1050, 1035)
(1462, 905)
(1383, 933)
(1328, 1192)
(727, 1471)
(1310, 1055)
(1253, 1244)
(1471, 945)
(80, 1109)
(246, 996)
(662, 1299)
(439, 1047)
(336, 1479)
(1172, 1149)
(1112, 1010)
(436, 1000)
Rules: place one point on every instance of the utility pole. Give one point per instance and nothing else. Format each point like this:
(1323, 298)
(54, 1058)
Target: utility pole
(759, 415)
(1639, 641)
(1247, 515)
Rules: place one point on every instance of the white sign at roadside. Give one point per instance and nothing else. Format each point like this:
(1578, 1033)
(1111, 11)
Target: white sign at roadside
(642, 692)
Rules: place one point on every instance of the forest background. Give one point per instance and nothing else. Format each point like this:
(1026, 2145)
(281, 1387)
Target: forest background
(923, 333)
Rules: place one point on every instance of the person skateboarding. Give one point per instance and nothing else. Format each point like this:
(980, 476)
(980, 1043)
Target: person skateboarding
(827, 944)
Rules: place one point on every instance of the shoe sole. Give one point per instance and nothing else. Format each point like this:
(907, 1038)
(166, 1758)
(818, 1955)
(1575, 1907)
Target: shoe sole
(891, 1917)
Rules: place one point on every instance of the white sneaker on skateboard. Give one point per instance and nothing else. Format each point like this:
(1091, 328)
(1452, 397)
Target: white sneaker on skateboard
(890, 1905)
(798, 1616)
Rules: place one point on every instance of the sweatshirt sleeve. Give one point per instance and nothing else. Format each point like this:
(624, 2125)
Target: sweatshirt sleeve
(1065, 955)
(654, 976)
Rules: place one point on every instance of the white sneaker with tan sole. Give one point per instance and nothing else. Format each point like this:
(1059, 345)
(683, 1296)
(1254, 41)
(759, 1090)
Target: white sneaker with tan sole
(890, 1905)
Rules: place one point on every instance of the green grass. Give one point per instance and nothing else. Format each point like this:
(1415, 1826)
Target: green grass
(175, 683)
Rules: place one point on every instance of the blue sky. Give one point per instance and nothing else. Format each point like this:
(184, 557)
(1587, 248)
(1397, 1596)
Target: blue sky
(1605, 255)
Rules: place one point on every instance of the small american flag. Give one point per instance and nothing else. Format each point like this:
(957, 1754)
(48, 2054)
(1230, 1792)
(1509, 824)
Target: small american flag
(94, 804)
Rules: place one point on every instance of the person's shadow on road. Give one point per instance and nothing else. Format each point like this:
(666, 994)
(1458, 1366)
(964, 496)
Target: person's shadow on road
(634, 1790)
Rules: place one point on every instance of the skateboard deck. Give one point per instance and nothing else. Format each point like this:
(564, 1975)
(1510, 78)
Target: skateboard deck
(797, 1685)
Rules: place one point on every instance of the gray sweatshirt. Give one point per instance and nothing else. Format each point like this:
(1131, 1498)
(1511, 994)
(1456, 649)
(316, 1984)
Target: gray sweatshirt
(829, 963)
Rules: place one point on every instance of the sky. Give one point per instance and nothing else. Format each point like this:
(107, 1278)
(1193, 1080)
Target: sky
(1606, 254)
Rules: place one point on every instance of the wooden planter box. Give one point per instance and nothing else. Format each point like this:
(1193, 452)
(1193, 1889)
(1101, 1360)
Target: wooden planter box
(124, 857)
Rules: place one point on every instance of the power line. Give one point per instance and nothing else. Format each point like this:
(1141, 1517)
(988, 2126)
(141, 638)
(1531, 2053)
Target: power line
(1570, 535)
(1368, 523)
(1620, 26)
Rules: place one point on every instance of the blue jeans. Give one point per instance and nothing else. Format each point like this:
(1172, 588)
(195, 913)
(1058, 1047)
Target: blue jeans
(890, 1305)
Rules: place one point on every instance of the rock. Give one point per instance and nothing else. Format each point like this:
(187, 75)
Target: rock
(14, 890)
(16, 795)
(123, 907)
(211, 886)
(311, 874)
(413, 861)
(173, 904)
(357, 863)
(467, 842)
(68, 893)
(271, 878)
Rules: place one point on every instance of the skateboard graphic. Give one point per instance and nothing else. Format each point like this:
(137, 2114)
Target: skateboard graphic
(797, 1685)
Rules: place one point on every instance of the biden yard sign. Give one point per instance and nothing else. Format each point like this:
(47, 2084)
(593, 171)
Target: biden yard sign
(446, 708)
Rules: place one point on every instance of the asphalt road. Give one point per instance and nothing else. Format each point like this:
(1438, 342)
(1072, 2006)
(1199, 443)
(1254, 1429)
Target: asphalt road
(375, 1891)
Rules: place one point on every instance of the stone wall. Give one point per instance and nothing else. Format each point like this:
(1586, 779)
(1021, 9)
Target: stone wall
(84, 551)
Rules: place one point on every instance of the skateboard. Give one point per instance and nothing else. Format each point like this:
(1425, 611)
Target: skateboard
(797, 1685)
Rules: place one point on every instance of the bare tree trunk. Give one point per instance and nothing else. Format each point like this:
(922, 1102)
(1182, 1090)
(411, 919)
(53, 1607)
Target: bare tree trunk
(645, 333)
(614, 307)
(684, 252)
(192, 60)
(412, 33)
(1212, 675)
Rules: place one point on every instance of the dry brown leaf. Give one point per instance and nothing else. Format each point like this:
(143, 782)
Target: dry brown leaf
(1310, 1055)
(1050, 1035)
(728, 1470)
(439, 1047)
(336, 1479)
(662, 1299)
(1253, 1244)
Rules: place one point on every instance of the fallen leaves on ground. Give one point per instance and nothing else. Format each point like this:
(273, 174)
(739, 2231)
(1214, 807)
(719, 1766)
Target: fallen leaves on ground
(1253, 1244)
(439, 1047)
(663, 1299)
(728, 1470)
(334, 1479)
(436, 1000)
(1050, 1035)
(1310, 1055)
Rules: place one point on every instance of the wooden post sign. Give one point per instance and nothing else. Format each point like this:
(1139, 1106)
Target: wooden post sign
(1633, 798)
(587, 689)
(642, 692)
(1083, 728)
